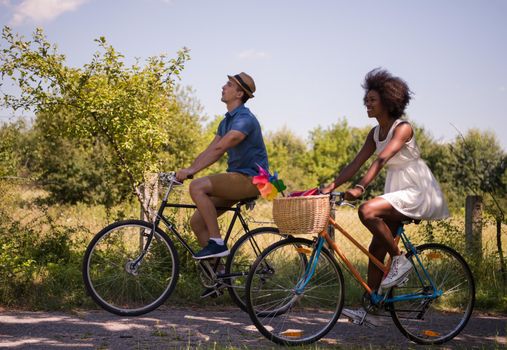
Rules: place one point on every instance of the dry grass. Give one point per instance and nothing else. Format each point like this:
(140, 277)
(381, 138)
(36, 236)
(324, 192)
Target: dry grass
(20, 205)
(85, 220)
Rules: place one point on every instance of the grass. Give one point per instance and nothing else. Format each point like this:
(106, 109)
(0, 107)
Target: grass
(42, 247)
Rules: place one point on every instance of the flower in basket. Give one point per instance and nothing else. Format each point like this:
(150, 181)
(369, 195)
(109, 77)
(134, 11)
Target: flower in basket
(269, 185)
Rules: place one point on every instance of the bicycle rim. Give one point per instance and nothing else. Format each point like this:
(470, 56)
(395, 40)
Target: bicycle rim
(279, 313)
(243, 254)
(116, 283)
(435, 321)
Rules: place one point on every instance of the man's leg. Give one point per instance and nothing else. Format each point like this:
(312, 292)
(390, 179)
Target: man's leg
(198, 224)
(208, 193)
(214, 191)
(205, 220)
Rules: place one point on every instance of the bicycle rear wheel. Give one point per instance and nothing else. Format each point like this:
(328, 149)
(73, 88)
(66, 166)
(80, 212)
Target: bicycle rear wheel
(243, 254)
(113, 279)
(435, 321)
(284, 315)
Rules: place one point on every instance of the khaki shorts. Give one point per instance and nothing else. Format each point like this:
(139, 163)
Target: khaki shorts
(232, 186)
(227, 190)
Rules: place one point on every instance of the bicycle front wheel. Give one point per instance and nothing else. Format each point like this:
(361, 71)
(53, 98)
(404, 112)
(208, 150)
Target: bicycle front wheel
(435, 320)
(281, 311)
(119, 278)
(243, 254)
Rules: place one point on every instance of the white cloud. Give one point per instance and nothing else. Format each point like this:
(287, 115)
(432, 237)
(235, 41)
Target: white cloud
(252, 54)
(42, 10)
(5, 3)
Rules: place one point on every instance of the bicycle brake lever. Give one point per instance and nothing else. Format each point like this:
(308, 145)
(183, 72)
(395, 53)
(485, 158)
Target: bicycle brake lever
(169, 178)
(347, 204)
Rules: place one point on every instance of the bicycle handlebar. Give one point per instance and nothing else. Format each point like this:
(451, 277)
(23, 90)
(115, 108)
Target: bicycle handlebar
(339, 198)
(169, 178)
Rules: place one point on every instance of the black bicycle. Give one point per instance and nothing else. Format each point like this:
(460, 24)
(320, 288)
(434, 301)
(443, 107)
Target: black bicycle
(131, 267)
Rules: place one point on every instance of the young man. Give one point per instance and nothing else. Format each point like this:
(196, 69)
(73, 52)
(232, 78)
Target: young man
(239, 134)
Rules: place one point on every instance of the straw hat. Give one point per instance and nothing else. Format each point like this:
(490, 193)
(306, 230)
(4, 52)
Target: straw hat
(245, 82)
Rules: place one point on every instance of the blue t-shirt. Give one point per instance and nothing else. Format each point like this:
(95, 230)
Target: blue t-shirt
(244, 157)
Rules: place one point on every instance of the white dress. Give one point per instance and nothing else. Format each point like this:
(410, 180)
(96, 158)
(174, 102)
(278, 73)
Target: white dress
(410, 186)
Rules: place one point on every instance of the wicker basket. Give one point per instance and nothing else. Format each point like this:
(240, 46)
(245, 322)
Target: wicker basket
(301, 215)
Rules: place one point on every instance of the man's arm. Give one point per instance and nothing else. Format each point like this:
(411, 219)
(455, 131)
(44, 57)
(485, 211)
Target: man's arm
(212, 153)
(207, 150)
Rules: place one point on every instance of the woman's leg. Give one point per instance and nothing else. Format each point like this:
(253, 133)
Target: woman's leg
(378, 250)
(379, 216)
(374, 273)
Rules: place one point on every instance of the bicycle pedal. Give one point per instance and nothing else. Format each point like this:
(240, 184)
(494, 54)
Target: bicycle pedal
(364, 323)
(212, 293)
(356, 322)
(403, 282)
(369, 325)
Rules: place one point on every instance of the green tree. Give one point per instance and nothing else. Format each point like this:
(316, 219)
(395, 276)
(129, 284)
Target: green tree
(129, 117)
(16, 148)
(479, 166)
(289, 156)
(329, 150)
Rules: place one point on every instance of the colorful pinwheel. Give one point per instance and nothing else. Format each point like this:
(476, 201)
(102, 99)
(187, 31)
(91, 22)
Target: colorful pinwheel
(268, 185)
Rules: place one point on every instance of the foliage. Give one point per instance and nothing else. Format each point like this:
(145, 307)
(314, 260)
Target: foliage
(15, 148)
(478, 165)
(329, 150)
(130, 114)
(38, 261)
(289, 156)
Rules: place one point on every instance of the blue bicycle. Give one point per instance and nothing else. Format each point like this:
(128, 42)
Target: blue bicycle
(295, 289)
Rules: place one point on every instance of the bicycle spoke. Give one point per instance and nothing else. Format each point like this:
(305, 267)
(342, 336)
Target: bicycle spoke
(119, 287)
(436, 320)
(280, 313)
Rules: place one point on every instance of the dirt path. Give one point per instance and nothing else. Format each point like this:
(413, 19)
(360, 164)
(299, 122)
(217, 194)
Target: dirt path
(174, 328)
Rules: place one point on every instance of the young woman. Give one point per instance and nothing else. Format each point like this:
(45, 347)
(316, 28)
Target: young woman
(410, 189)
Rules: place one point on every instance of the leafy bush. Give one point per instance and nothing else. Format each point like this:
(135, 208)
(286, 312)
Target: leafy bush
(39, 263)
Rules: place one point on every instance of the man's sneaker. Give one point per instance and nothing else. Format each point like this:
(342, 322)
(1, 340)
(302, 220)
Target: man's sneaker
(212, 250)
(358, 316)
(400, 267)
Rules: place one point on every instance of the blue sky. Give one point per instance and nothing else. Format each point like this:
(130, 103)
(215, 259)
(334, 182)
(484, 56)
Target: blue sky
(308, 58)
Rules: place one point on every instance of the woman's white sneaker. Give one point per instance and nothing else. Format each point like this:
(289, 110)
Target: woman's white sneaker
(400, 267)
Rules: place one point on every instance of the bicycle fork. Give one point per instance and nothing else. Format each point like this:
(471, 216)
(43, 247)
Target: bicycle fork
(310, 267)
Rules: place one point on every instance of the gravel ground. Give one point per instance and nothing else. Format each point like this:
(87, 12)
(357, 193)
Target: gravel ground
(189, 328)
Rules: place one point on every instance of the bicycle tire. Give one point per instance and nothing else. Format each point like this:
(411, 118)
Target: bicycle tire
(114, 284)
(435, 321)
(243, 254)
(277, 311)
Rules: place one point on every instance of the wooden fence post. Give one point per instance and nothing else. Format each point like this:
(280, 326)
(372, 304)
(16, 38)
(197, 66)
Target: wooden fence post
(473, 226)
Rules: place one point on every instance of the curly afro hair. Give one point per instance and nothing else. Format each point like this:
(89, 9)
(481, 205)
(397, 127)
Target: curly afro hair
(394, 92)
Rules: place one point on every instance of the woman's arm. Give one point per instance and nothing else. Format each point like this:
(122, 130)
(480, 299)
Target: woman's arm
(402, 134)
(362, 156)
